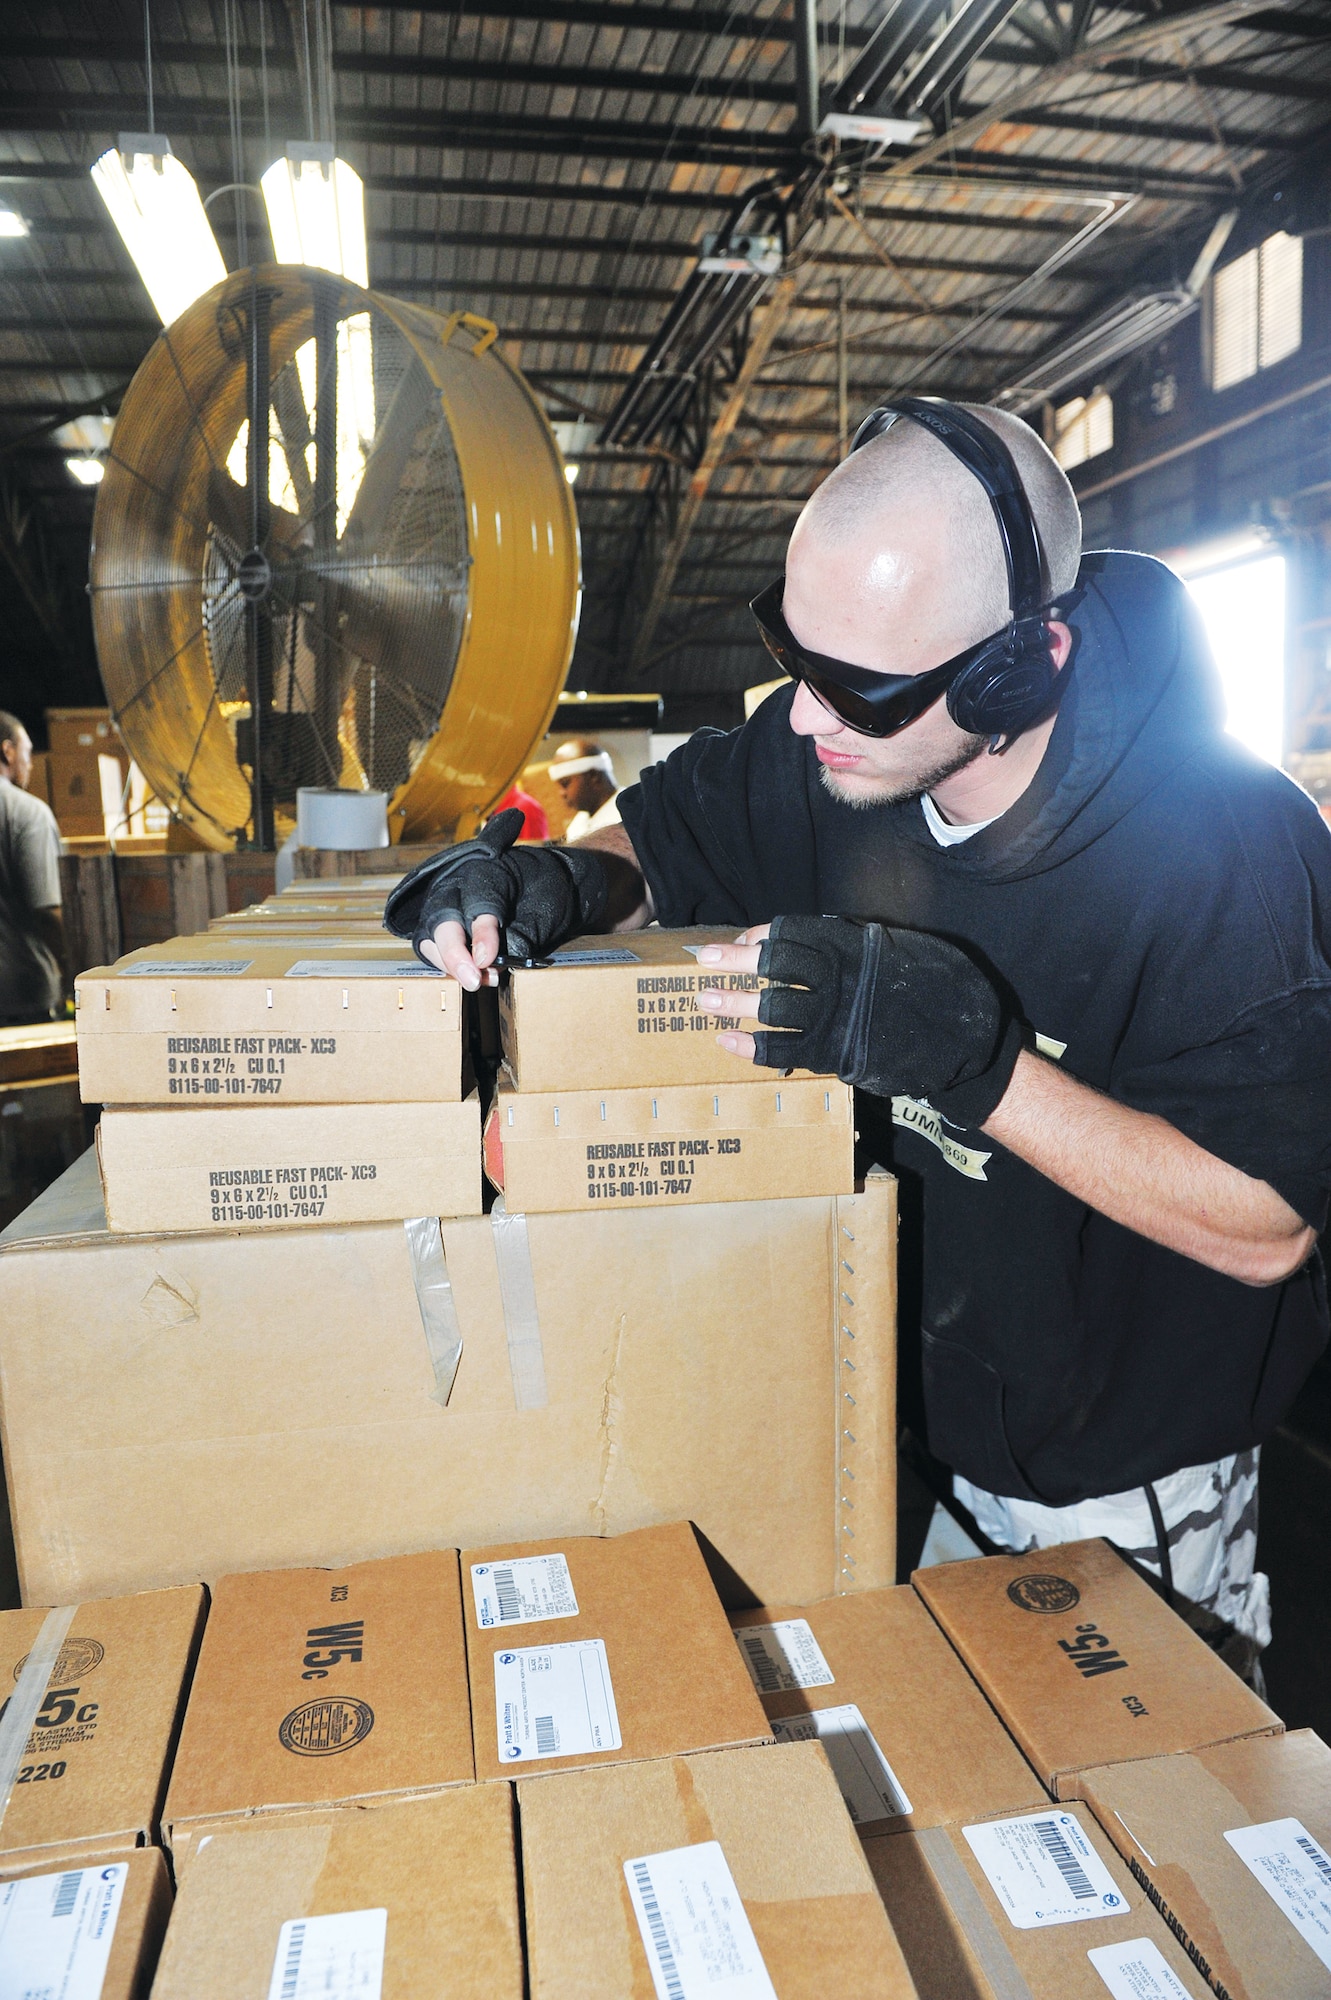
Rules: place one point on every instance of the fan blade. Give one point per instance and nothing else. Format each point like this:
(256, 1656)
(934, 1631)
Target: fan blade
(229, 512)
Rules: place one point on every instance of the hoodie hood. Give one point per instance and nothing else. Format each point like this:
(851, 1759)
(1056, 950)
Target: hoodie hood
(1143, 698)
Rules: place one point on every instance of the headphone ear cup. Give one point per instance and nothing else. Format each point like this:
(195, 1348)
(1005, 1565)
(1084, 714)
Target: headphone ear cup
(1007, 688)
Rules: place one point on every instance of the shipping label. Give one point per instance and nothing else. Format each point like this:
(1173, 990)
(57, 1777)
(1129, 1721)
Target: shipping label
(335, 1957)
(523, 1591)
(694, 1928)
(555, 1701)
(867, 1781)
(1044, 1870)
(1295, 1871)
(361, 968)
(56, 1933)
(1137, 1969)
(280, 1194)
(783, 1656)
(187, 968)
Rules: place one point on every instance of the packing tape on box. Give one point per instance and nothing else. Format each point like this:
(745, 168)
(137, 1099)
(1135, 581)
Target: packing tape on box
(978, 1927)
(522, 1324)
(23, 1705)
(434, 1296)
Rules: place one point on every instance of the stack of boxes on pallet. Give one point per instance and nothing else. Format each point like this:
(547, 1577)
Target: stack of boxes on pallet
(561, 1768)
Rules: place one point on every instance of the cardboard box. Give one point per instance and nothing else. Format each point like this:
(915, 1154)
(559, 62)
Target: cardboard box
(609, 1857)
(284, 1166)
(754, 1141)
(617, 1013)
(910, 1738)
(600, 1651)
(425, 1893)
(1084, 1662)
(1233, 1845)
(93, 1930)
(95, 1767)
(1045, 1910)
(252, 1401)
(204, 1020)
(323, 1687)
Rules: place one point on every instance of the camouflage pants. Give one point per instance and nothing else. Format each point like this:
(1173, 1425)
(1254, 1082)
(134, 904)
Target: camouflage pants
(1210, 1519)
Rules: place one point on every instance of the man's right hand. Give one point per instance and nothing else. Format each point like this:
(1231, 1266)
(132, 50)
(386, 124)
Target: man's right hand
(462, 907)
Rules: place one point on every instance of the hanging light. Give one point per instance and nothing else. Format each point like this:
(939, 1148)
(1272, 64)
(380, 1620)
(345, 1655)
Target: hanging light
(12, 223)
(155, 205)
(87, 471)
(316, 211)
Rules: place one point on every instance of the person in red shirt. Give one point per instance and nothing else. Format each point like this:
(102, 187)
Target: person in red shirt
(535, 825)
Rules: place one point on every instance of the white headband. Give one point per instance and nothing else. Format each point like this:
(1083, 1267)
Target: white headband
(600, 762)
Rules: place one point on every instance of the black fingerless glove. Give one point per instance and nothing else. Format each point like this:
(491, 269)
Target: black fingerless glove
(900, 1013)
(541, 895)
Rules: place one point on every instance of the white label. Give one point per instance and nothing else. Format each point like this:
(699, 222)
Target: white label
(1295, 1871)
(694, 1930)
(188, 968)
(56, 1933)
(523, 1591)
(1043, 1870)
(555, 1701)
(868, 1783)
(783, 1657)
(1137, 1970)
(360, 968)
(338, 1957)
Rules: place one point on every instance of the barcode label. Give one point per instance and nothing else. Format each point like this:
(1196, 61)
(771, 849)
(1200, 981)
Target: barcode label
(336, 1957)
(554, 1701)
(1295, 1870)
(695, 1932)
(187, 968)
(526, 1590)
(66, 1895)
(783, 1656)
(866, 1780)
(56, 1933)
(1043, 1869)
(361, 968)
(1137, 1969)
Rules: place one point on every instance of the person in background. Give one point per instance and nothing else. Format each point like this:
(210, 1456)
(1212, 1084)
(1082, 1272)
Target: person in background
(585, 776)
(535, 825)
(32, 944)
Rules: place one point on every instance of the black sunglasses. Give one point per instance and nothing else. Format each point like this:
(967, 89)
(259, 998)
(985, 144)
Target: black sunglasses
(870, 703)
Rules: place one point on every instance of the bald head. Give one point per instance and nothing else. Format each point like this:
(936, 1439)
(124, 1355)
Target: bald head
(901, 540)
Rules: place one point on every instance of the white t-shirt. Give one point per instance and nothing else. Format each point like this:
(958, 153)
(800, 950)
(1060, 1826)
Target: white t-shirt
(951, 836)
(581, 823)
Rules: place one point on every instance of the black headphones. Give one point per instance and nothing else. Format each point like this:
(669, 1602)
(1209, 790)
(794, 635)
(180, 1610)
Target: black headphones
(1012, 683)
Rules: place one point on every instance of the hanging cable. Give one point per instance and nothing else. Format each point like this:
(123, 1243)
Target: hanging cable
(148, 58)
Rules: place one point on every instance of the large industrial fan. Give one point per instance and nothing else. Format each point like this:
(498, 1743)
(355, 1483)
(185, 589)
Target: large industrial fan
(334, 545)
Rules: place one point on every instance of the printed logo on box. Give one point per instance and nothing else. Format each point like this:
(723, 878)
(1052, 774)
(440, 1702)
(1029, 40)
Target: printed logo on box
(1044, 1593)
(77, 1658)
(327, 1727)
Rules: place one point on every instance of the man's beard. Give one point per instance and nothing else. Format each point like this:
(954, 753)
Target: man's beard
(890, 791)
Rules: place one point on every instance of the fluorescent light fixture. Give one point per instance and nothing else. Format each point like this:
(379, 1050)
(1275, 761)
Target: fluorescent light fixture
(1136, 322)
(88, 471)
(876, 131)
(316, 212)
(1243, 610)
(752, 256)
(11, 223)
(155, 205)
(86, 436)
(571, 474)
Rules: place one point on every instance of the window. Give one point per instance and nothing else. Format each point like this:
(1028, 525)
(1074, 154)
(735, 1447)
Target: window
(1083, 429)
(1243, 610)
(1256, 310)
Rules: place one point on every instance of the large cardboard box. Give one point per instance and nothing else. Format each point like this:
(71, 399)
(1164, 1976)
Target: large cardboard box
(910, 1738)
(324, 1687)
(754, 1141)
(615, 1013)
(412, 1902)
(93, 1930)
(1032, 1907)
(657, 1877)
(1233, 1845)
(600, 1651)
(95, 1767)
(1084, 1662)
(322, 1395)
(187, 1167)
(205, 1021)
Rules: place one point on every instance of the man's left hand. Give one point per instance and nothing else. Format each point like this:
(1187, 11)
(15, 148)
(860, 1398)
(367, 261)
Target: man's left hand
(899, 1013)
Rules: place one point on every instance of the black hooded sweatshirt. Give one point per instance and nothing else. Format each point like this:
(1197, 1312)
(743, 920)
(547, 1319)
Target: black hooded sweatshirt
(1157, 905)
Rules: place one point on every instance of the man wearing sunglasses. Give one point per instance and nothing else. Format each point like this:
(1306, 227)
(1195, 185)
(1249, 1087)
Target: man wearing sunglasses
(1002, 869)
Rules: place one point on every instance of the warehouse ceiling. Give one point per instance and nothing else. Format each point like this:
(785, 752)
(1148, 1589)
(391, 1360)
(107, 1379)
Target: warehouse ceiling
(555, 165)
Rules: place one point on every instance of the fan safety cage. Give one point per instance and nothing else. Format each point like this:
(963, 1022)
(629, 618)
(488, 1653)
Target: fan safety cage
(392, 606)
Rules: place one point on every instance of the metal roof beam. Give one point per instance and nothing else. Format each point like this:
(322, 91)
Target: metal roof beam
(1213, 76)
(1063, 118)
